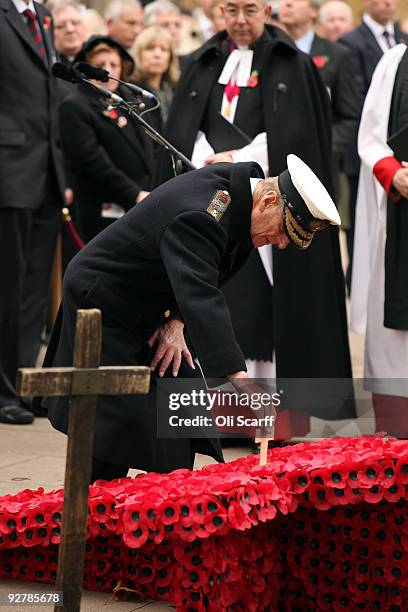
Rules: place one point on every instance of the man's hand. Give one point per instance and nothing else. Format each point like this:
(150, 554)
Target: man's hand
(224, 156)
(172, 347)
(141, 196)
(400, 180)
(246, 386)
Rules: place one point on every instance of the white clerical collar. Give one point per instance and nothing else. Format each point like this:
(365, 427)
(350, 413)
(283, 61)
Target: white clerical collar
(254, 182)
(376, 28)
(21, 6)
(304, 43)
(239, 61)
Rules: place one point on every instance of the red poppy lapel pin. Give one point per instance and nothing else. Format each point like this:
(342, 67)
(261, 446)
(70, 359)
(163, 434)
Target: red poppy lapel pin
(46, 22)
(253, 79)
(320, 60)
(113, 114)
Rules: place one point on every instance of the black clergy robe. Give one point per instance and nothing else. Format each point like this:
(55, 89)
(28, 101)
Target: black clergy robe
(396, 246)
(306, 323)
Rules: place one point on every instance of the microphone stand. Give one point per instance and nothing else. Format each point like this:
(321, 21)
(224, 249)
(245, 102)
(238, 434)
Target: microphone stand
(180, 161)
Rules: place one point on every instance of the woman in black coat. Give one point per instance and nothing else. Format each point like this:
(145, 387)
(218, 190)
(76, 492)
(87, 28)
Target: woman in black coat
(109, 155)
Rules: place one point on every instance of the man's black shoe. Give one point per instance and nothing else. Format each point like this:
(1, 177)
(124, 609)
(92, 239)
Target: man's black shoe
(34, 406)
(15, 415)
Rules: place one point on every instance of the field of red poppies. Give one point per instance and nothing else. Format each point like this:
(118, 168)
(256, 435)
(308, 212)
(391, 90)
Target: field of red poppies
(322, 526)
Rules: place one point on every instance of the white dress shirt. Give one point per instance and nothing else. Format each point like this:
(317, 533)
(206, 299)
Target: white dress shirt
(22, 6)
(304, 43)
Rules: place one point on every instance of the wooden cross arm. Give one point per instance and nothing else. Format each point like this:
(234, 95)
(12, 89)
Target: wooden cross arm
(107, 380)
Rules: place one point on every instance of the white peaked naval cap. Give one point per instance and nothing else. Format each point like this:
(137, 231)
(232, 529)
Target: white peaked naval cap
(308, 206)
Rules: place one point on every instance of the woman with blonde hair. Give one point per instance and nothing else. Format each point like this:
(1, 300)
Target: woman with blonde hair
(157, 69)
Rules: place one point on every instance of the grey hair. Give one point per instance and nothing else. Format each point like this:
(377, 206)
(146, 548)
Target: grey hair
(323, 9)
(269, 184)
(114, 8)
(157, 8)
(58, 5)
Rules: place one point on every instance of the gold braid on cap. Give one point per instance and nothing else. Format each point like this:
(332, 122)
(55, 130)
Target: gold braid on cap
(299, 236)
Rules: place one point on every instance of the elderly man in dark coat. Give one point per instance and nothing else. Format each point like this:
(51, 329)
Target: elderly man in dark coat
(159, 268)
(254, 74)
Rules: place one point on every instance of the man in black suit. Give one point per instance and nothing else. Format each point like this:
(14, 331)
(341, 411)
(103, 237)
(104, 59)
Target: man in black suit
(30, 193)
(333, 61)
(159, 269)
(377, 33)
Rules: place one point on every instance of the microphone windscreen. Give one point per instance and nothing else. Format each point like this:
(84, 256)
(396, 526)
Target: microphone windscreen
(93, 72)
(66, 73)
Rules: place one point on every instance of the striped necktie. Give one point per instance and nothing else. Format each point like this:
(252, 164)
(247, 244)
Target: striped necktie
(34, 28)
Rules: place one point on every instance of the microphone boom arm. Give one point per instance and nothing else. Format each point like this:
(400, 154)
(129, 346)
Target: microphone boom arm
(150, 131)
(157, 137)
(72, 75)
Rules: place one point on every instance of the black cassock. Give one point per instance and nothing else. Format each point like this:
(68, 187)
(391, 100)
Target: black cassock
(396, 246)
(167, 255)
(304, 318)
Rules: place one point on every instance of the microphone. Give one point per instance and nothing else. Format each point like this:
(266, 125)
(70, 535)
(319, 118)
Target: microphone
(92, 72)
(72, 75)
(99, 74)
(106, 93)
(66, 73)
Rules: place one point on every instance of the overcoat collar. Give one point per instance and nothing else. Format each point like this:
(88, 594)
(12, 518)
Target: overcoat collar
(15, 20)
(241, 201)
(370, 38)
(318, 45)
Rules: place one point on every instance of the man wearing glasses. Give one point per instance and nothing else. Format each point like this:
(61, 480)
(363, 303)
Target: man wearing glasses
(69, 30)
(249, 94)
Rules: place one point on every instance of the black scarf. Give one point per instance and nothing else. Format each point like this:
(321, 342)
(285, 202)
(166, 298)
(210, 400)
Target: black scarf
(396, 247)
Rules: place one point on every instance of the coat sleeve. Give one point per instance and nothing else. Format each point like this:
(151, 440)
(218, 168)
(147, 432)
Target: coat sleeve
(89, 158)
(191, 248)
(345, 106)
(357, 68)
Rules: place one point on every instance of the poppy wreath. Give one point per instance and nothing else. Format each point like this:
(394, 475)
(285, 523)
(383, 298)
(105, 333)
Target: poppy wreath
(322, 526)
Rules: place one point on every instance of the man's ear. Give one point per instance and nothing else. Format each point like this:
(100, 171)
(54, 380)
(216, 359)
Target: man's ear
(267, 12)
(269, 199)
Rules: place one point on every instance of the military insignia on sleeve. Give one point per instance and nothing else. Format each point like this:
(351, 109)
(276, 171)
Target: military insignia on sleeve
(219, 205)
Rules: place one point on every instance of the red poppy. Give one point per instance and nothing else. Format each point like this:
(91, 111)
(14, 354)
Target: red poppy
(318, 497)
(137, 537)
(169, 512)
(300, 481)
(401, 470)
(8, 522)
(394, 493)
(373, 495)
(320, 60)
(46, 22)
(132, 515)
(368, 475)
(386, 475)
